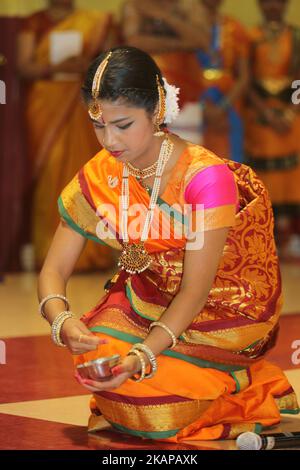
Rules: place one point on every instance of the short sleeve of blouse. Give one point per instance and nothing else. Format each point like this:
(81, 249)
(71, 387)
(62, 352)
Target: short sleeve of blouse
(214, 192)
(76, 211)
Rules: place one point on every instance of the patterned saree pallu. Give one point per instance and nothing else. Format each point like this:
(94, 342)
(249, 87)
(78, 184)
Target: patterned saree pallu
(215, 383)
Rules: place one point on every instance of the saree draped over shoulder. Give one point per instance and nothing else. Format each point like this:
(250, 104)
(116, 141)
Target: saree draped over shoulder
(215, 383)
(60, 137)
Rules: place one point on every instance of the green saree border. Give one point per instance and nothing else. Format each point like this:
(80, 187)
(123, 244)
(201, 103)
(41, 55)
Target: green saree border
(169, 210)
(149, 435)
(129, 296)
(237, 383)
(170, 353)
(63, 212)
(258, 428)
(290, 412)
(134, 308)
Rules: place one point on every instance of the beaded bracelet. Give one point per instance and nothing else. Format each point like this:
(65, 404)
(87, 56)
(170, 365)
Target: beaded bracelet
(49, 297)
(167, 329)
(143, 364)
(150, 355)
(57, 326)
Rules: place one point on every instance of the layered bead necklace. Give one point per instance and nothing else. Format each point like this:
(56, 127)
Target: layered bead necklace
(134, 257)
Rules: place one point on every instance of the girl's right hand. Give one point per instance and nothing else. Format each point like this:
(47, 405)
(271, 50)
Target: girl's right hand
(78, 339)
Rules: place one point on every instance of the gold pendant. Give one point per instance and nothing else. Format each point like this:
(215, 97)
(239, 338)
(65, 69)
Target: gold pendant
(134, 258)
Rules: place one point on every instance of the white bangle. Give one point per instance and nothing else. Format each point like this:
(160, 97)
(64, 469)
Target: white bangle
(167, 329)
(57, 326)
(138, 353)
(49, 297)
(150, 355)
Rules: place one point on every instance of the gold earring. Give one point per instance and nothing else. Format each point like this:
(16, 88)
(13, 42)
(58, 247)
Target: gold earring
(158, 132)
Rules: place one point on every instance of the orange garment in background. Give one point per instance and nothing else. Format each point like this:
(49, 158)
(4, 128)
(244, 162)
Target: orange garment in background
(60, 137)
(268, 151)
(233, 47)
(182, 70)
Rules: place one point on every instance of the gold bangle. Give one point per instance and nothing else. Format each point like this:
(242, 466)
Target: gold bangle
(167, 329)
(143, 364)
(150, 355)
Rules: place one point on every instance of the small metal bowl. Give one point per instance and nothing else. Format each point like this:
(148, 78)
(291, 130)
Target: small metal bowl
(98, 369)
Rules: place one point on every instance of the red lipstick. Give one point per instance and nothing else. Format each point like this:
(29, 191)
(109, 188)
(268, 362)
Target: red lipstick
(116, 154)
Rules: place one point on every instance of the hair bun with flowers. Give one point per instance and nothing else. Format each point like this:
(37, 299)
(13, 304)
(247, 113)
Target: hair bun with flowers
(172, 107)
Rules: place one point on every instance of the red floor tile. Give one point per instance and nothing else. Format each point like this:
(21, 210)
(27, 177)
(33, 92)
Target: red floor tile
(36, 369)
(18, 433)
(21, 433)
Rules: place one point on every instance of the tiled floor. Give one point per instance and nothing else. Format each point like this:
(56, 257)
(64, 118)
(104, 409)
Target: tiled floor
(43, 407)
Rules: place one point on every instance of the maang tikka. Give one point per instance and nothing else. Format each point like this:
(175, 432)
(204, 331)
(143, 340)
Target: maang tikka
(161, 109)
(95, 110)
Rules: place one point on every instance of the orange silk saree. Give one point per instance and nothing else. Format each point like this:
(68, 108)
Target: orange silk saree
(216, 383)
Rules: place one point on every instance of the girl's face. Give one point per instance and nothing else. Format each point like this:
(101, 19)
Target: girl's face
(125, 131)
(273, 10)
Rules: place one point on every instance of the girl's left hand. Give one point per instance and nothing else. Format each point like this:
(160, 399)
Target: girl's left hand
(129, 366)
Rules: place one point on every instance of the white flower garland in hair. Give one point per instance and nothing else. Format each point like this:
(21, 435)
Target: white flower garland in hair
(172, 108)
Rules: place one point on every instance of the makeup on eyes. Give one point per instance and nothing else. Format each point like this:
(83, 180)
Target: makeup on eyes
(117, 121)
(97, 125)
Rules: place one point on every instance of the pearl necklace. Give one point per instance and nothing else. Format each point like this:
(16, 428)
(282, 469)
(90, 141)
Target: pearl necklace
(134, 257)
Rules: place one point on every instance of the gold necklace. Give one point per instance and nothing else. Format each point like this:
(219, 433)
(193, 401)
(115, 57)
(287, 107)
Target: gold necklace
(141, 174)
(144, 173)
(134, 257)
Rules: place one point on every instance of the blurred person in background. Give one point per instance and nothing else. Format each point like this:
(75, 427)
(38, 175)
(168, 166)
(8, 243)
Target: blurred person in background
(59, 136)
(224, 73)
(171, 32)
(12, 183)
(273, 123)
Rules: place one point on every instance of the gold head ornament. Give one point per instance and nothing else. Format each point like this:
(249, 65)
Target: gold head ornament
(95, 110)
(161, 108)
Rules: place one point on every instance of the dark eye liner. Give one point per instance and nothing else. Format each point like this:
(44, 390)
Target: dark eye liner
(126, 125)
(98, 126)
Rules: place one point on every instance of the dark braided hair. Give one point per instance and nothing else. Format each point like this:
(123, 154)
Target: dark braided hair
(130, 75)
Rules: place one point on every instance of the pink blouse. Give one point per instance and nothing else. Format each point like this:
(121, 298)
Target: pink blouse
(213, 187)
